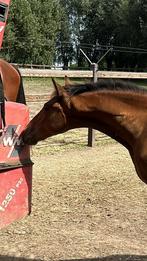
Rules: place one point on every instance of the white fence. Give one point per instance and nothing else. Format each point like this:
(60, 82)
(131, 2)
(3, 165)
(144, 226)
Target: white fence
(80, 74)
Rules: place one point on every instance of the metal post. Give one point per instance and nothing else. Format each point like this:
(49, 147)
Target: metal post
(95, 69)
(91, 132)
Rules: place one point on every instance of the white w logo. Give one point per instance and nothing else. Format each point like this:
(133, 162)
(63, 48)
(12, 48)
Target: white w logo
(10, 141)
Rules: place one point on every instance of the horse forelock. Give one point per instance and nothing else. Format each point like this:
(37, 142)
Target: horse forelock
(104, 85)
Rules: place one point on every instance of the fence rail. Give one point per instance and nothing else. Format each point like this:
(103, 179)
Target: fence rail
(81, 74)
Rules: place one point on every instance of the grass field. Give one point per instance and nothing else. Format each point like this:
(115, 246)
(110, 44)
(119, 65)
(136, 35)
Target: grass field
(44, 85)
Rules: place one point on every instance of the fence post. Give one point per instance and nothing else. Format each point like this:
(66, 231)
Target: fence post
(91, 132)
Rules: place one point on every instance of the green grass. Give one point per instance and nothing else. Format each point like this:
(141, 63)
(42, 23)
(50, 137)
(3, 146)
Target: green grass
(37, 85)
(142, 83)
(47, 81)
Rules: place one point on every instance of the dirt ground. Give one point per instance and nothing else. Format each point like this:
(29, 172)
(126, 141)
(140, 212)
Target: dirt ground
(88, 204)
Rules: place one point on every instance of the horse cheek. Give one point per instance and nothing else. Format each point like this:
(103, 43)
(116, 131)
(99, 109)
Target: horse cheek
(57, 121)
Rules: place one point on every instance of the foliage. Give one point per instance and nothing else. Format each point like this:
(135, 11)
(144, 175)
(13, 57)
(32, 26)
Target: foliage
(31, 31)
(49, 31)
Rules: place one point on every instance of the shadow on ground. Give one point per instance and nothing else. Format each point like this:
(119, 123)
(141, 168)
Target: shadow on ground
(12, 258)
(113, 258)
(108, 258)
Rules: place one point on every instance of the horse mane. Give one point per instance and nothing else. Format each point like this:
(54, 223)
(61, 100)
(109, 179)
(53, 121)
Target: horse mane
(104, 85)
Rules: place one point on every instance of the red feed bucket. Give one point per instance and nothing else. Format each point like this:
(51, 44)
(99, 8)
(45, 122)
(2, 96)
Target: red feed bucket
(15, 166)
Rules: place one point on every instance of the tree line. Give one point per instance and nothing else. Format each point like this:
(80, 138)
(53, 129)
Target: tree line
(53, 31)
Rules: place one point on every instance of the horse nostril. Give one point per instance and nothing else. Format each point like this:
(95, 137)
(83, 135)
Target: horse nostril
(27, 137)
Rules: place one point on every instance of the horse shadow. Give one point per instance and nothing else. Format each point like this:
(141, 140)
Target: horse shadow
(12, 258)
(113, 258)
(107, 258)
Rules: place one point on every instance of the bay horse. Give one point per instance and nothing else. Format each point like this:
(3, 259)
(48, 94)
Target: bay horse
(11, 82)
(116, 108)
(11, 86)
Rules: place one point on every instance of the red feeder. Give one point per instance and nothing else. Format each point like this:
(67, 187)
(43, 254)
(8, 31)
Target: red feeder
(15, 166)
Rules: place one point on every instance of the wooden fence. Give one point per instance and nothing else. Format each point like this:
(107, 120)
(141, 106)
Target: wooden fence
(81, 74)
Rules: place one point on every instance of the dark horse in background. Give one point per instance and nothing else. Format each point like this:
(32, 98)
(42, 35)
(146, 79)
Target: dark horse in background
(116, 108)
(11, 86)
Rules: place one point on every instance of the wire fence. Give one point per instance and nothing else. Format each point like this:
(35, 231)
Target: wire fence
(92, 50)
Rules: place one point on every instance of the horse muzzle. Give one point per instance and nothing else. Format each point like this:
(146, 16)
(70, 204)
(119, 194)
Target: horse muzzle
(28, 138)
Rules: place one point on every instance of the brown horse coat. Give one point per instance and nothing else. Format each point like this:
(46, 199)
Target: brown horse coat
(116, 108)
(12, 82)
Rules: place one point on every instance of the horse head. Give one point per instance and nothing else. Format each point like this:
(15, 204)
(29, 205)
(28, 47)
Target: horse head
(51, 120)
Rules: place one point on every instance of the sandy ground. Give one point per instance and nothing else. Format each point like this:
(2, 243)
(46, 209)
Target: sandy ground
(88, 204)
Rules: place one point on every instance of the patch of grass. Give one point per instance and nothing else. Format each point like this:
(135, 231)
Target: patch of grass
(142, 83)
(38, 85)
(45, 85)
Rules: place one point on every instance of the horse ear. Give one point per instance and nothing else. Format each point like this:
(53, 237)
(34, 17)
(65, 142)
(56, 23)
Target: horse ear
(67, 81)
(57, 87)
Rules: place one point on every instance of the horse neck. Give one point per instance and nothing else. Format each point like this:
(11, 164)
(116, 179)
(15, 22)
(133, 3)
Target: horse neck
(113, 113)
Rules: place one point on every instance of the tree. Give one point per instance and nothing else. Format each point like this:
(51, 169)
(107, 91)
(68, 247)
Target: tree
(100, 22)
(31, 31)
(130, 33)
(45, 31)
(49, 19)
(118, 23)
(69, 35)
(21, 32)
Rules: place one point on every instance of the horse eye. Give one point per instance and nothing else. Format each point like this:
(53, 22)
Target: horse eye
(48, 104)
